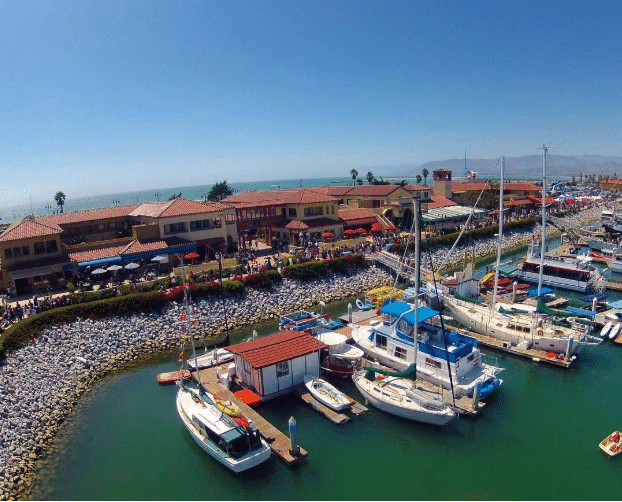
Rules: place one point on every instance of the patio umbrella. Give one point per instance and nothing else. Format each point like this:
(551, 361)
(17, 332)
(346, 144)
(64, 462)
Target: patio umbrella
(160, 258)
(98, 271)
(350, 232)
(132, 266)
(114, 268)
(360, 230)
(328, 235)
(191, 256)
(377, 227)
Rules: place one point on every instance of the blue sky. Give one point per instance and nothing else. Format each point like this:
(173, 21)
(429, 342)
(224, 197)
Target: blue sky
(100, 97)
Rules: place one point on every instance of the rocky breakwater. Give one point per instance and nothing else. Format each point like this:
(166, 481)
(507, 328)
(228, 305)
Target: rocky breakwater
(42, 381)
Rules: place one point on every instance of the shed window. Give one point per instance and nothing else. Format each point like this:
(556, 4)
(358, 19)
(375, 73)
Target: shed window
(282, 369)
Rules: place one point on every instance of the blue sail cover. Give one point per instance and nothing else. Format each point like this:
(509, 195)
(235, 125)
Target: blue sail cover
(396, 309)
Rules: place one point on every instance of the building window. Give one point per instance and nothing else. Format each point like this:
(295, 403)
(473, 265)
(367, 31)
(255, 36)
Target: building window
(175, 228)
(375, 203)
(230, 219)
(100, 228)
(51, 247)
(292, 212)
(282, 369)
(17, 252)
(8, 253)
(25, 251)
(200, 225)
(313, 211)
(218, 222)
(39, 248)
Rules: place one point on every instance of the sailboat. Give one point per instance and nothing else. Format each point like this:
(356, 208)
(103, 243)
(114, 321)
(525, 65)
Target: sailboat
(218, 426)
(518, 328)
(398, 392)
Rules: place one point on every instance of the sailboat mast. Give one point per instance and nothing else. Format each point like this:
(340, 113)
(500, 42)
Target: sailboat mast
(500, 237)
(417, 206)
(543, 238)
(188, 322)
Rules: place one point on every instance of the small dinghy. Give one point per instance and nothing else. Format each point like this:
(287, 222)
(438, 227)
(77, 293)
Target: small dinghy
(327, 394)
(362, 306)
(606, 329)
(614, 331)
(612, 444)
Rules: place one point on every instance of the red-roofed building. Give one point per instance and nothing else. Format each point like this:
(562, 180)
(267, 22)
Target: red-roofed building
(354, 218)
(273, 365)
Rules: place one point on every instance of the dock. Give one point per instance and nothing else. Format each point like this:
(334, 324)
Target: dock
(173, 376)
(279, 443)
(359, 316)
(614, 285)
(332, 415)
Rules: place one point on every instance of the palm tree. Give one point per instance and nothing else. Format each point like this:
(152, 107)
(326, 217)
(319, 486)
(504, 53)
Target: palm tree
(60, 200)
(418, 178)
(354, 173)
(425, 173)
(370, 177)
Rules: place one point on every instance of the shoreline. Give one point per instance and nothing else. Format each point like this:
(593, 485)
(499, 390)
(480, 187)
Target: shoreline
(43, 381)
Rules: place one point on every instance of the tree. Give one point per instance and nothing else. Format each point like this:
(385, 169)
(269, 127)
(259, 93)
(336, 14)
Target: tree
(425, 173)
(359, 181)
(418, 178)
(60, 199)
(370, 177)
(355, 174)
(220, 191)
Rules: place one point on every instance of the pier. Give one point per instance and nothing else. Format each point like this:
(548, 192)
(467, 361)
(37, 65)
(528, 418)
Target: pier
(356, 408)
(279, 443)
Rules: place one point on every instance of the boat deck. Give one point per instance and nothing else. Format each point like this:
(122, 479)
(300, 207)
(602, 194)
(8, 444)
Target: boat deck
(279, 443)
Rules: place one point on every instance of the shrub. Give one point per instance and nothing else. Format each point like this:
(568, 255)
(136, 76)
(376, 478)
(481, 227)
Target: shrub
(70, 287)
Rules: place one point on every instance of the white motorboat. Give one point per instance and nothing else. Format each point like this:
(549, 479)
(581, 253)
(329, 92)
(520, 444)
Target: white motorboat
(606, 328)
(341, 358)
(327, 394)
(238, 447)
(402, 397)
(615, 331)
(210, 359)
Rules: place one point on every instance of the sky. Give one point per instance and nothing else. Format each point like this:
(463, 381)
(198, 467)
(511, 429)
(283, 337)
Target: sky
(102, 97)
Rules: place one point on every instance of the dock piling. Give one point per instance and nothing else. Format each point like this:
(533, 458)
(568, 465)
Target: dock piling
(293, 437)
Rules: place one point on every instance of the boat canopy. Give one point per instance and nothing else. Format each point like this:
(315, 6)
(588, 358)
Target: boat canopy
(396, 309)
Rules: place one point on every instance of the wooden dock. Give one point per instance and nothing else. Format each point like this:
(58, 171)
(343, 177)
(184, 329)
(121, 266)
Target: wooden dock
(332, 415)
(279, 443)
(614, 285)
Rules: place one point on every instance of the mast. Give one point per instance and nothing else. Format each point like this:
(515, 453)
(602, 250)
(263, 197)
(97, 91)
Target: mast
(543, 238)
(188, 322)
(500, 237)
(416, 203)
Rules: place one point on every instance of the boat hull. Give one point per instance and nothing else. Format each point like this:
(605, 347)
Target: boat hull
(399, 406)
(612, 444)
(327, 394)
(252, 459)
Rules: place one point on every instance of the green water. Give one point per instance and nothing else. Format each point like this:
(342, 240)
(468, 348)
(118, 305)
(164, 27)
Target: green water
(536, 439)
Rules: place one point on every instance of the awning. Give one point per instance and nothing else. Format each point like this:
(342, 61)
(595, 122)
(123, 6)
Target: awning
(147, 255)
(101, 261)
(22, 274)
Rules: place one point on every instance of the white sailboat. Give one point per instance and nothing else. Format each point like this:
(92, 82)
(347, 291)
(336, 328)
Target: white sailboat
(606, 328)
(526, 330)
(615, 331)
(327, 394)
(398, 393)
(221, 431)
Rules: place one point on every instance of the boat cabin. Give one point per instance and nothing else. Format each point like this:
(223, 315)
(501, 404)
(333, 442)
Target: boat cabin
(274, 365)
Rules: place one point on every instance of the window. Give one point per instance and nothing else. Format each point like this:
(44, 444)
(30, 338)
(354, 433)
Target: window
(17, 252)
(432, 362)
(51, 247)
(175, 228)
(381, 341)
(292, 212)
(230, 219)
(100, 228)
(112, 226)
(400, 352)
(200, 225)
(375, 203)
(314, 211)
(39, 248)
(282, 369)
(218, 222)
(8, 253)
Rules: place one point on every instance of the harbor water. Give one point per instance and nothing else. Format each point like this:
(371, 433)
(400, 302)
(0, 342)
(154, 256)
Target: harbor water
(536, 438)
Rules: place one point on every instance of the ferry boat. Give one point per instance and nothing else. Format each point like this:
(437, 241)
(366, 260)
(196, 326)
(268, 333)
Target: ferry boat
(576, 274)
(391, 342)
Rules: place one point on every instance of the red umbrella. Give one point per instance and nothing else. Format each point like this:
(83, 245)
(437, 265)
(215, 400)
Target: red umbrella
(191, 256)
(328, 235)
(391, 227)
(377, 227)
(350, 232)
(361, 230)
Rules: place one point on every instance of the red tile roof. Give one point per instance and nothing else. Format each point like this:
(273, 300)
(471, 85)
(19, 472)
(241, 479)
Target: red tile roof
(177, 207)
(280, 197)
(277, 348)
(508, 186)
(440, 201)
(416, 188)
(362, 190)
(518, 202)
(358, 216)
(296, 225)
(96, 254)
(88, 215)
(28, 228)
(137, 246)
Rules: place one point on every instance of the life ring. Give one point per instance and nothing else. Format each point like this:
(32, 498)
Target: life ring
(539, 332)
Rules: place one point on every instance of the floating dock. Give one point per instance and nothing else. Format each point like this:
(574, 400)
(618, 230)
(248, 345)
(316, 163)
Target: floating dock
(279, 443)
(358, 316)
(335, 417)
(173, 376)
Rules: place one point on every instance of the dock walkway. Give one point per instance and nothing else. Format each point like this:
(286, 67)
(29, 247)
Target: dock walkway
(279, 443)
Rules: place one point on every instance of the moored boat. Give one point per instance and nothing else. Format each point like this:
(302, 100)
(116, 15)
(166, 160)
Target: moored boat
(327, 394)
(612, 444)
(615, 331)
(606, 328)
(210, 359)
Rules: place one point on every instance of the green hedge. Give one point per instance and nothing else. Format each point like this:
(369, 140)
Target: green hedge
(317, 269)
(23, 330)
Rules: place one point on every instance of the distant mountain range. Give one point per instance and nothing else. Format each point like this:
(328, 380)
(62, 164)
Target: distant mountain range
(527, 167)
